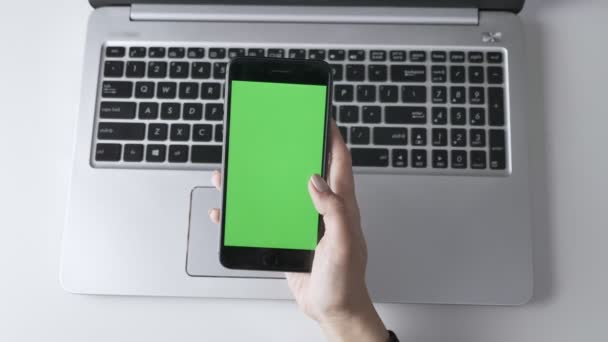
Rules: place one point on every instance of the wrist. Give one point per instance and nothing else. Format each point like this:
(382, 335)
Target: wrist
(362, 325)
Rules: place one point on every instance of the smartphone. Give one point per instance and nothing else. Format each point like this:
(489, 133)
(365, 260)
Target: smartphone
(276, 131)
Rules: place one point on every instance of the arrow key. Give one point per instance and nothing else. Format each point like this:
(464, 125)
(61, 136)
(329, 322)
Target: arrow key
(440, 159)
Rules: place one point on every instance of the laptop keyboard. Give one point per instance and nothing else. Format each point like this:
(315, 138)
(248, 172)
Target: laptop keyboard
(429, 111)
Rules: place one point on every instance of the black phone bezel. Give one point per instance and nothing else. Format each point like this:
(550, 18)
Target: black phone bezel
(277, 70)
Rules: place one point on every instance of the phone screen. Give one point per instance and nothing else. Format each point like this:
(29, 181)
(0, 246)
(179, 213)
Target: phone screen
(276, 143)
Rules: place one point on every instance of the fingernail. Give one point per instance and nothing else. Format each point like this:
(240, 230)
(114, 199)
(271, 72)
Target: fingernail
(319, 183)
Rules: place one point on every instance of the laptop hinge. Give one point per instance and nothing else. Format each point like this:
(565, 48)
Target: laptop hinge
(305, 14)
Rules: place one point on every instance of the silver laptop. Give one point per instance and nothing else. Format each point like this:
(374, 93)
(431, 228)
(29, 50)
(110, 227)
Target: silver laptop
(429, 95)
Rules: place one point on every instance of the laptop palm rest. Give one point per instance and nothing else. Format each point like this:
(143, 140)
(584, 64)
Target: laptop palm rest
(204, 240)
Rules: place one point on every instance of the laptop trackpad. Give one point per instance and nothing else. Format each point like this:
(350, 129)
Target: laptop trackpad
(204, 240)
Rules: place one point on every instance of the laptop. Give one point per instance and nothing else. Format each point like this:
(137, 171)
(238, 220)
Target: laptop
(430, 97)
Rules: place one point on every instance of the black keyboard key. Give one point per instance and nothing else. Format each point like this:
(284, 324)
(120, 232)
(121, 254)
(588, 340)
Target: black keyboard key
(457, 74)
(344, 93)
(276, 53)
(439, 94)
(458, 116)
(496, 103)
(107, 152)
(217, 53)
(157, 69)
(148, 110)
(439, 137)
(494, 57)
(369, 157)
(399, 157)
(475, 57)
(477, 116)
(476, 74)
(236, 52)
(334, 112)
(121, 131)
(418, 56)
(116, 89)
(166, 90)
(210, 91)
(137, 52)
(459, 159)
(180, 132)
(297, 53)
(366, 93)
(477, 138)
(170, 111)
(117, 110)
(196, 53)
(188, 90)
(439, 74)
(214, 112)
(419, 158)
(408, 73)
(113, 68)
(115, 51)
(372, 114)
(178, 153)
(144, 90)
(356, 55)
(377, 55)
(413, 94)
(255, 52)
(136, 69)
(378, 72)
(206, 154)
(133, 153)
(177, 52)
(419, 136)
(495, 75)
(359, 135)
(349, 114)
(405, 115)
(156, 153)
(459, 137)
(477, 95)
(157, 132)
(317, 54)
(335, 55)
(389, 93)
(438, 56)
(179, 69)
(219, 133)
(390, 136)
(458, 95)
(439, 116)
(478, 159)
(343, 133)
(337, 72)
(219, 70)
(497, 149)
(355, 72)
(157, 52)
(202, 132)
(397, 56)
(457, 57)
(192, 111)
(201, 70)
(440, 159)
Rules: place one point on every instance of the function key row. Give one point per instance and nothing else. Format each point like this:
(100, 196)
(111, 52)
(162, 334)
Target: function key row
(154, 153)
(320, 54)
(418, 158)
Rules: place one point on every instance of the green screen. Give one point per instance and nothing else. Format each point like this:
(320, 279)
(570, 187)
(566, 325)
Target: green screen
(275, 144)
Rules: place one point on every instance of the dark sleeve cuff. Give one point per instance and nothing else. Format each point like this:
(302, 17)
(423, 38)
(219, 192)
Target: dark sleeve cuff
(392, 337)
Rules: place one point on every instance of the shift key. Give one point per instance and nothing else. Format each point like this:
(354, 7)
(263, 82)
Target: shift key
(121, 131)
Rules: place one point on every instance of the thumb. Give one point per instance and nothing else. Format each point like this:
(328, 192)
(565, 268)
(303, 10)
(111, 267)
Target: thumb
(327, 203)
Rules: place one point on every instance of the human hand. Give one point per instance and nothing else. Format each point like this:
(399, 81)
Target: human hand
(334, 293)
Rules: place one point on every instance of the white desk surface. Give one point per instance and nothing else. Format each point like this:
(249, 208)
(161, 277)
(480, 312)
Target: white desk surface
(41, 47)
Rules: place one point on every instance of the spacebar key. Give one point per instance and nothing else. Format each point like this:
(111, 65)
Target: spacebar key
(369, 156)
(207, 154)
